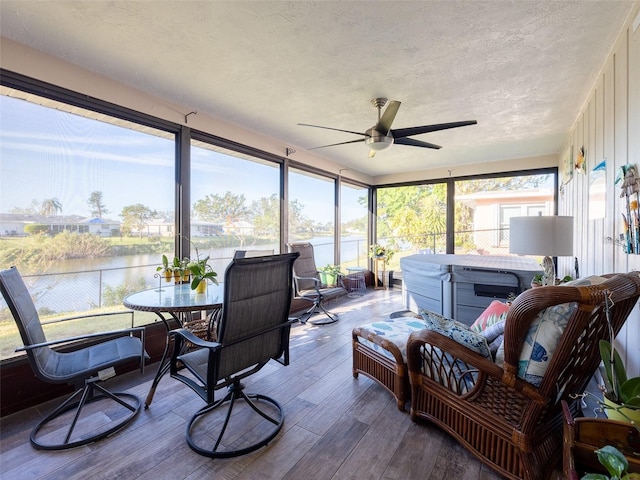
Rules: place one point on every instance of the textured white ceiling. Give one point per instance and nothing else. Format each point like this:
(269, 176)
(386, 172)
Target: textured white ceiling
(522, 69)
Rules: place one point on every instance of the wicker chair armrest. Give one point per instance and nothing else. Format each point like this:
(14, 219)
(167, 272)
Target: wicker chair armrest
(450, 346)
(484, 366)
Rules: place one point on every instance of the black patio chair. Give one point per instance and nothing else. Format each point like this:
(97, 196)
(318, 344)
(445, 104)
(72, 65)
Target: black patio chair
(253, 329)
(83, 368)
(309, 287)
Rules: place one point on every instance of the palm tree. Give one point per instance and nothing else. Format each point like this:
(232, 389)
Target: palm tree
(50, 206)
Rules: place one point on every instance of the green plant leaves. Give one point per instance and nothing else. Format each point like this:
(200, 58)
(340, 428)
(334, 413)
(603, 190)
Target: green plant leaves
(615, 374)
(630, 391)
(613, 460)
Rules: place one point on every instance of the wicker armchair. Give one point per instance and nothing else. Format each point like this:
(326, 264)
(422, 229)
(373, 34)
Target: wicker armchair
(511, 425)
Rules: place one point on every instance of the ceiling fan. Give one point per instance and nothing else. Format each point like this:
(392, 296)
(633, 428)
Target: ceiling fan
(381, 136)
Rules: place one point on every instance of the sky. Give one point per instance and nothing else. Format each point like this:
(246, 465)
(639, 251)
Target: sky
(47, 153)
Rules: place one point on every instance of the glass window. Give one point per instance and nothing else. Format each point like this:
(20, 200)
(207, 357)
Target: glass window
(506, 212)
(312, 213)
(235, 204)
(412, 219)
(353, 225)
(483, 207)
(86, 208)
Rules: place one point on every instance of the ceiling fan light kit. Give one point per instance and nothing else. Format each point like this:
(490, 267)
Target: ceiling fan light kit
(381, 136)
(378, 142)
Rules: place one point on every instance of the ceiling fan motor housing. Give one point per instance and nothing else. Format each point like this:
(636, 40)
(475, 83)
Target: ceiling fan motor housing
(378, 141)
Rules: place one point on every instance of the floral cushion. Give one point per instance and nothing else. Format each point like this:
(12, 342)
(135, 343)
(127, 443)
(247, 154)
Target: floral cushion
(496, 312)
(543, 336)
(395, 330)
(456, 331)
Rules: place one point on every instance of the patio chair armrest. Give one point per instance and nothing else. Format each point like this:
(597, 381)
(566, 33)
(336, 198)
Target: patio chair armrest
(192, 338)
(85, 337)
(316, 282)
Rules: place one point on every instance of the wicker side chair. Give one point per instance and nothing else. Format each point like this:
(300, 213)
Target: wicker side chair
(512, 425)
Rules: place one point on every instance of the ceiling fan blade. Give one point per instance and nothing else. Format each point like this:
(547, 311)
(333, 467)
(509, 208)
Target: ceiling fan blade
(334, 144)
(416, 143)
(335, 129)
(389, 115)
(407, 132)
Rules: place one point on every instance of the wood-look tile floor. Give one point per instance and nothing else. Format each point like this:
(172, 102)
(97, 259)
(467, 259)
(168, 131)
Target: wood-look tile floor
(336, 427)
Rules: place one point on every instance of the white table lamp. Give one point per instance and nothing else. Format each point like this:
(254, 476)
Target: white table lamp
(549, 236)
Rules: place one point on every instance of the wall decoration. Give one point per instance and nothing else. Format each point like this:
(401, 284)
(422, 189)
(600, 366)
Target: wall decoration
(597, 191)
(567, 165)
(581, 164)
(630, 185)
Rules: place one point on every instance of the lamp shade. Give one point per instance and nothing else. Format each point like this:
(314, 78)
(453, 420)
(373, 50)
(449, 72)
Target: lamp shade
(549, 236)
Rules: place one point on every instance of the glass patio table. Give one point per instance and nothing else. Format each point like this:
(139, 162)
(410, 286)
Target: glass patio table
(174, 302)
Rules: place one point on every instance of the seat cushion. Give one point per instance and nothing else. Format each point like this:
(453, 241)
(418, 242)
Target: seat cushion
(394, 330)
(327, 293)
(67, 366)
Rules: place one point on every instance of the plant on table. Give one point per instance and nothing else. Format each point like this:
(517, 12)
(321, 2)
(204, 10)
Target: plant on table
(177, 269)
(165, 268)
(379, 251)
(201, 271)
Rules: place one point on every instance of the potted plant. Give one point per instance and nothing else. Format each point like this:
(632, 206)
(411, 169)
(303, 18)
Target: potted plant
(165, 268)
(621, 395)
(537, 280)
(616, 464)
(177, 269)
(184, 267)
(201, 271)
(378, 251)
(329, 275)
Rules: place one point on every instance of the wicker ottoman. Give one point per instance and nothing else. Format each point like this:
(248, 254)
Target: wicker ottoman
(379, 352)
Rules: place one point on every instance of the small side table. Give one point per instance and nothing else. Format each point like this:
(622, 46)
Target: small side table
(380, 270)
(356, 282)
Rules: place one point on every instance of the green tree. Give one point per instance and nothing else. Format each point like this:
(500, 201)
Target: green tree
(136, 217)
(265, 216)
(97, 205)
(50, 206)
(31, 209)
(36, 229)
(412, 213)
(227, 208)
(298, 222)
(417, 214)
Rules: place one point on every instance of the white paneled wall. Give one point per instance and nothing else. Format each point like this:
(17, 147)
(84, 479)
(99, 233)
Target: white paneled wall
(608, 128)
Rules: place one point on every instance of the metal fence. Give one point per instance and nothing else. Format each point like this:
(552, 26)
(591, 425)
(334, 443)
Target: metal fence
(103, 289)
